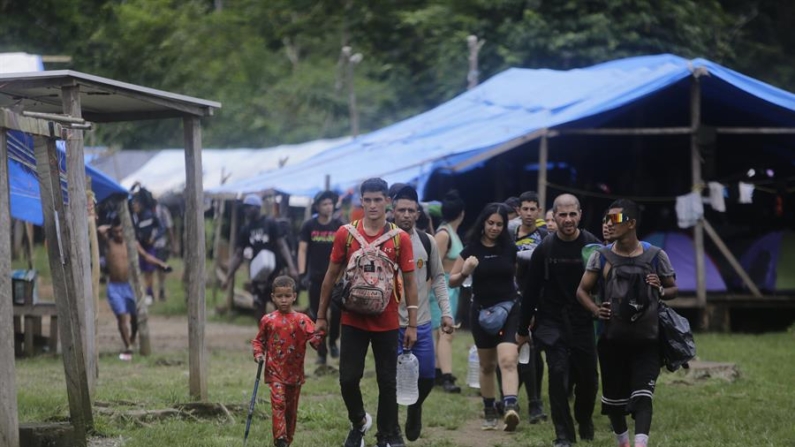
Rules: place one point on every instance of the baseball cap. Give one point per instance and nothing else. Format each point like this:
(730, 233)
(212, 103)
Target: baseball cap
(253, 200)
(404, 192)
(323, 195)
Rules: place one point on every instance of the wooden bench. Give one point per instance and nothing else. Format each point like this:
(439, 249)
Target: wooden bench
(29, 337)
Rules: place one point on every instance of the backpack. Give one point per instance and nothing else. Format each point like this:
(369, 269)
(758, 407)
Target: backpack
(633, 302)
(370, 275)
(426, 244)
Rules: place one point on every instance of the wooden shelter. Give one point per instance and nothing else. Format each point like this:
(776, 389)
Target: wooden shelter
(52, 105)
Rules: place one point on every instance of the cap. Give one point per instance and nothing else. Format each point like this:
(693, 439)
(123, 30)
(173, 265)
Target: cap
(405, 192)
(253, 200)
(323, 195)
(393, 190)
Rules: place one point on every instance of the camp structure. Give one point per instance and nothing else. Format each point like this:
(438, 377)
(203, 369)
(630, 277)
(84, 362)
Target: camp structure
(53, 105)
(770, 262)
(649, 128)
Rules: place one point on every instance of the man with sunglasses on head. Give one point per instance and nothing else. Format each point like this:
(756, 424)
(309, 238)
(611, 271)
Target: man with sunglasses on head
(628, 348)
(561, 327)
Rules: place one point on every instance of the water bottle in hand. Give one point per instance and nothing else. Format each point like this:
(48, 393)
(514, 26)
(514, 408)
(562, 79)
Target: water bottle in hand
(408, 373)
(473, 370)
(524, 354)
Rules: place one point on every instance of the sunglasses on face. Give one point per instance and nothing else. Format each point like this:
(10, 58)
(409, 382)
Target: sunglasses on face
(616, 218)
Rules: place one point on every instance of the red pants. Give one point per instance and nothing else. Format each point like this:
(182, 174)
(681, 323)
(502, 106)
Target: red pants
(284, 410)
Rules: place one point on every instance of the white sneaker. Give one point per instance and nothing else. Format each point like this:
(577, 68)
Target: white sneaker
(125, 356)
(149, 300)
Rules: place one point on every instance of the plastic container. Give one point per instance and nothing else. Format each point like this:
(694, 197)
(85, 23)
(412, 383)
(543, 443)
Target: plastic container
(473, 368)
(524, 354)
(408, 374)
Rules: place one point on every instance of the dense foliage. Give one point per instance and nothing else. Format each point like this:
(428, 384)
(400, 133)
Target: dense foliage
(275, 65)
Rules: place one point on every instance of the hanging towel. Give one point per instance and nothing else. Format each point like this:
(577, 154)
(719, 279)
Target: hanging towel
(746, 192)
(716, 197)
(689, 209)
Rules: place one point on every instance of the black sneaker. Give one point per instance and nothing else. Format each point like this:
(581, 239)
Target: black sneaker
(511, 418)
(320, 360)
(489, 419)
(586, 431)
(334, 351)
(356, 434)
(395, 441)
(413, 422)
(448, 384)
(536, 410)
(562, 443)
(281, 442)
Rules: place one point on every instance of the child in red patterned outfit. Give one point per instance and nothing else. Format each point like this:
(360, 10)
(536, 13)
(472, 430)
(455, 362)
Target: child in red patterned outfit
(281, 344)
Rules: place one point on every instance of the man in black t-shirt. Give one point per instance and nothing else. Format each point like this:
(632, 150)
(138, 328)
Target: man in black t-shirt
(563, 328)
(261, 242)
(314, 250)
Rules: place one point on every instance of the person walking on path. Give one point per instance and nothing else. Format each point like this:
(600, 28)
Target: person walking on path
(629, 353)
(428, 269)
(450, 247)
(528, 237)
(490, 258)
(121, 297)
(314, 249)
(360, 330)
(562, 329)
(281, 345)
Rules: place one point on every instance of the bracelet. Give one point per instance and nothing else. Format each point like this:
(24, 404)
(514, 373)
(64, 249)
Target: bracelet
(412, 307)
(415, 327)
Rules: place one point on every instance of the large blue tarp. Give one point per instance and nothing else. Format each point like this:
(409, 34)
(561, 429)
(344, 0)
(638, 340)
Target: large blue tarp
(24, 183)
(510, 107)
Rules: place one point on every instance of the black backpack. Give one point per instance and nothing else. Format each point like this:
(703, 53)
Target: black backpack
(633, 302)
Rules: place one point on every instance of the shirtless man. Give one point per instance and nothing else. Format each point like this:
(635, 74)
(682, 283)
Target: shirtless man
(120, 294)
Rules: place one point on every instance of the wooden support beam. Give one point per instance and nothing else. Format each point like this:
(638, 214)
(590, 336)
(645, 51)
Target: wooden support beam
(93, 238)
(732, 260)
(756, 130)
(230, 291)
(695, 162)
(9, 422)
(144, 342)
(78, 229)
(629, 131)
(64, 282)
(218, 223)
(194, 257)
(33, 126)
(543, 160)
(502, 148)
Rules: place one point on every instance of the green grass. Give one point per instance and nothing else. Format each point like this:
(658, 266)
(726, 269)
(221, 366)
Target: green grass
(753, 410)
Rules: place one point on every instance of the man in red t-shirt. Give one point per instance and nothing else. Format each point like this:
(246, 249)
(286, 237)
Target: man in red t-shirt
(359, 331)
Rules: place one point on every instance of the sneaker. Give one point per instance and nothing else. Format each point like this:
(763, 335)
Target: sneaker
(393, 441)
(356, 435)
(500, 407)
(125, 356)
(149, 300)
(511, 418)
(413, 422)
(320, 360)
(562, 443)
(448, 384)
(334, 351)
(536, 410)
(489, 419)
(281, 442)
(586, 431)
(162, 295)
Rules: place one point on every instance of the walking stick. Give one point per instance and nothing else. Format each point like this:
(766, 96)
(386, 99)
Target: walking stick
(253, 402)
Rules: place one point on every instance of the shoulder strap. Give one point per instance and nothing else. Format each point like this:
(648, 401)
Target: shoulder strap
(426, 243)
(546, 247)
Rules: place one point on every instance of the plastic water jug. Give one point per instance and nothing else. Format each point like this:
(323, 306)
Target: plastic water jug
(408, 373)
(473, 370)
(524, 354)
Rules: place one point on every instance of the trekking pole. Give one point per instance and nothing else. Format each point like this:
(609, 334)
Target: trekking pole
(253, 402)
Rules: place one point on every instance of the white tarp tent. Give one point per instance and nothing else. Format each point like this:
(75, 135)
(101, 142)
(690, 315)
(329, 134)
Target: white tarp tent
(165, 172)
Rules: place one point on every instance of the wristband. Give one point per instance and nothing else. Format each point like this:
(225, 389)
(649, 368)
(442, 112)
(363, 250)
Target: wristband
(412, 307)
(415, 327)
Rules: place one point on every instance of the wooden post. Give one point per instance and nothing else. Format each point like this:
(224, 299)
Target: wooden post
(220, 208)
(732, 260)
(78, 226)
(230, 291)
(144, 342)
(29, 252)
(94, 239)
(9, 422)
(695, 159)
(194, 257)
(64, 283)
(543, 159)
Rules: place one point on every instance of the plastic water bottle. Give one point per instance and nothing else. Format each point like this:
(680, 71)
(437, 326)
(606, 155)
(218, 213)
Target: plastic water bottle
(408, 373)
(473, 370)
(524, 354)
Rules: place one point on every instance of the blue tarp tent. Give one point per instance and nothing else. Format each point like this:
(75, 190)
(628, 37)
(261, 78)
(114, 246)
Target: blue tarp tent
(513, 108)
(24, 183)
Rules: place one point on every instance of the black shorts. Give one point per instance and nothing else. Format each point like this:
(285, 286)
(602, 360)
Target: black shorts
(484, 340)
(162, 253)
(629, 375)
